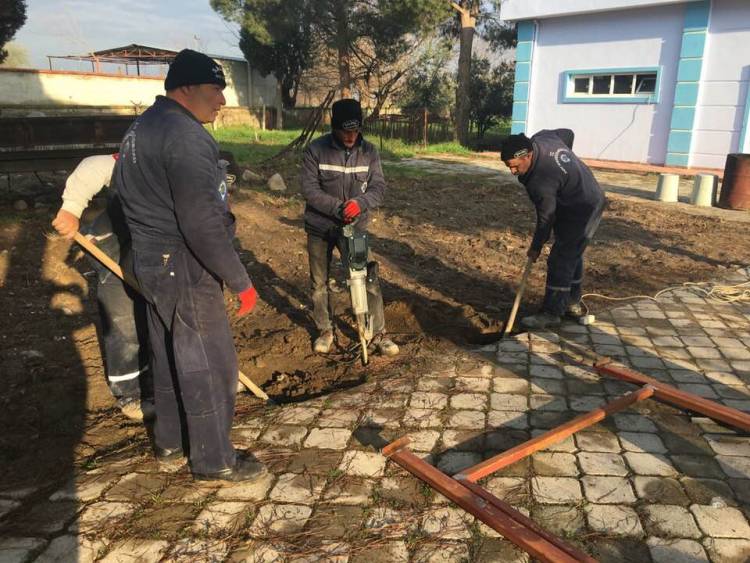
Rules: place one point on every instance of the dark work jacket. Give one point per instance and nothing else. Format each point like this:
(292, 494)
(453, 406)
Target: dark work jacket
(329, 179)
(173, 190)
(563, 189)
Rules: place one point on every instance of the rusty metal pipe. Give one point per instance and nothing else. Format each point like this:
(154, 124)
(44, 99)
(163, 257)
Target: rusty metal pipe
(489, 466)
(674, 396)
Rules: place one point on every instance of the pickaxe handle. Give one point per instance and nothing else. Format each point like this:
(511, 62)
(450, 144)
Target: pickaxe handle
(519, 295)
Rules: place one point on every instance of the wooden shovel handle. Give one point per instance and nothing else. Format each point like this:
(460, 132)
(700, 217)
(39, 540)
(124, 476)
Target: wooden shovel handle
(519, 295)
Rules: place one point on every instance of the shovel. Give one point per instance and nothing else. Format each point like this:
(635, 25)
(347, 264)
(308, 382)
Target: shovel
(517, 302)
(115, 268)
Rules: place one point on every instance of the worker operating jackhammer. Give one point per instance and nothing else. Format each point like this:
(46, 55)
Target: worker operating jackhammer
(342, 180)
(569, 203)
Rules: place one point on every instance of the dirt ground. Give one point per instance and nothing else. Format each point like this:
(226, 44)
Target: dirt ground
(451, 250)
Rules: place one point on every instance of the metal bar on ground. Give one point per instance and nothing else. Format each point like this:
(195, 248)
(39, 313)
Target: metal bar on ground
(506, 521)
(489, 466)
(521, 518)
(674, 396)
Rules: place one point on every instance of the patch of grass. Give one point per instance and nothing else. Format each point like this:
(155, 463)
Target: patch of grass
(252, 146)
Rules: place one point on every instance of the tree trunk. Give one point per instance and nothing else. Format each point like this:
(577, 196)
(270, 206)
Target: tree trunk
(468, 26)
(344, 56)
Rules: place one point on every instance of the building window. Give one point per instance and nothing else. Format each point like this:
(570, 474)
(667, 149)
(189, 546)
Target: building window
(614, 86)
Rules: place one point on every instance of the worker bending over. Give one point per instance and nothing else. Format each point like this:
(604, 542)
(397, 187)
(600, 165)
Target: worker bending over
(569, 203)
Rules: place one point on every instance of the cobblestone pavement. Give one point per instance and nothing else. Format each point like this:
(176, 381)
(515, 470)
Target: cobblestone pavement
(649, 484)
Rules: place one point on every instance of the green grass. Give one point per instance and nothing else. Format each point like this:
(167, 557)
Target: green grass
(252, 146)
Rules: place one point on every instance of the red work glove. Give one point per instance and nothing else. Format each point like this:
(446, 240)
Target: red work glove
(248, 298)
(351, 210)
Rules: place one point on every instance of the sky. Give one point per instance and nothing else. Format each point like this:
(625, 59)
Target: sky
(75, 27)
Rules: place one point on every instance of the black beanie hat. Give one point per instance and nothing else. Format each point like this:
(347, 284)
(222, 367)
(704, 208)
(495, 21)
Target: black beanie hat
(515, 146)
(191, 67)
(346, 114)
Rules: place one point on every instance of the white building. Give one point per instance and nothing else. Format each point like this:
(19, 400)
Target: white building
(652, 81)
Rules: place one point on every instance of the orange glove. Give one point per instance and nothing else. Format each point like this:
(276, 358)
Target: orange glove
(351, 210)
(248, 298)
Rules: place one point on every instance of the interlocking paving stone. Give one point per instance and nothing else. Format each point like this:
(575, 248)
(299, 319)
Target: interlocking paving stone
(597, 442)
(514, 490)
(334, 418)
(552, 372)
(423, 418)
(280, 519)
(721, 522)
(633, 422)
(284, 435)
(556, 490)
(728, 551)
(608, 490)
(421, 400)
(448, 523)
(464, 440)
(602, 464)
(218, 516)
(395, 521)
(8, 505)
(441, 553)
(474, 384)
(423, 441)
(676, 551)
(135, 487)
(101, 515)
(670, 521)
(136, 550)
(244, 490)
(85, 487)
(363, 464)
(508, 402)
(18, 550)
(315, 462)
(206, 551)
(297, 488)
(734, 466)
(614, 519)
(642, 442)
(297, 415)
(555, 464)
(729, 445)
(547, 386)
(453, 462)
(470, 420)
(548, 403)
(507, 419)
(697, 466)
(385, 552)
(506, 385)
(328, 438)
(650, 464)
(350, 491)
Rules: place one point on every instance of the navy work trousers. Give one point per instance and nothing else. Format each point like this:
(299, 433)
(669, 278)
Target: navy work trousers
(192, 355)
(565, 262)
(123, 333)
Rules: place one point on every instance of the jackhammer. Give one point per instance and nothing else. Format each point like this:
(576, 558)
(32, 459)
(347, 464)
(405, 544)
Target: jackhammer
(360, 271)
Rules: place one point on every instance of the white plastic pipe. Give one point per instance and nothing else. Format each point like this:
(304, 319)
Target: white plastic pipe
(704, 190)
(668, 187)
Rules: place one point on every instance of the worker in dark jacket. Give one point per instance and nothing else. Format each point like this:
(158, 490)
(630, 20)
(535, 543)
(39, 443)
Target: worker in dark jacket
(174, 197)
(342, 180)
(569, 203)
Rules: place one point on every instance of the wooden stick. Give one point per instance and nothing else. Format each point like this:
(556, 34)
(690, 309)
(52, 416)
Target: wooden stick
(489, 466)
(674, 396)
(497, 514)
(115, 268)
(519, 295)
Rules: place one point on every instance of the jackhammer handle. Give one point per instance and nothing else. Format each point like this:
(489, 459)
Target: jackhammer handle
(115, 268)
(519, 295)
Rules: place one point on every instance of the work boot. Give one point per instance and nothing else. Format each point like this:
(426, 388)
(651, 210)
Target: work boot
(168, 455)
(540, 321)
(323, 343)
(136, 409)
(575, 311)
(384, 345)
(246, 468)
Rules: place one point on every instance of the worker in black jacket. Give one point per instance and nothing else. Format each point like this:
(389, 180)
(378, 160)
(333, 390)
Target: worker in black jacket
(342, 180)
(569, 203)
(174, 197)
